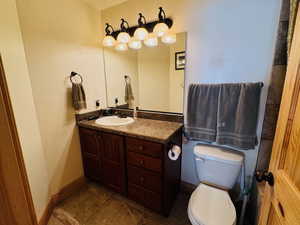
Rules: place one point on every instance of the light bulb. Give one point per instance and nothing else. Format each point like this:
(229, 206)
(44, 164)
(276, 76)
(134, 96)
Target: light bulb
(121, 47)
(169, 38)
(135, 44)
(141, 33)
(161, 29)
(151, 40)
(108, 41)
(123, 37)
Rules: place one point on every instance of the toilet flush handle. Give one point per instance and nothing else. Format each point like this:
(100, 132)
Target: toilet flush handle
(200, 159)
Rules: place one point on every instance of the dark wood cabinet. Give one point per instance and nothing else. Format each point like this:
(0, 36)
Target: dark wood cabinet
(113, 162)
(144, 178)
(103, 158)
(89, 141)
(137, 168)
(113, 148)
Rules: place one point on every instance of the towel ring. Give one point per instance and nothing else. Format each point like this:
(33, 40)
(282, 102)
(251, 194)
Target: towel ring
(73, 74)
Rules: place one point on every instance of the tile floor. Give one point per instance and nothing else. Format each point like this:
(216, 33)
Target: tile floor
(96, 205)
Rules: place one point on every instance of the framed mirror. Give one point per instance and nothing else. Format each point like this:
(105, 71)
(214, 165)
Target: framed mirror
(151, 78)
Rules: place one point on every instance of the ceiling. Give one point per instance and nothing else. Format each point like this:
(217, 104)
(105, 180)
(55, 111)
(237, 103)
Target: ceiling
(104, 4)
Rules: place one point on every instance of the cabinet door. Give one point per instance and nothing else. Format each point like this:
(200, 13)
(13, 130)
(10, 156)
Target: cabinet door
(113, 162)
(90, 153)
(89, 142)
(113, 147)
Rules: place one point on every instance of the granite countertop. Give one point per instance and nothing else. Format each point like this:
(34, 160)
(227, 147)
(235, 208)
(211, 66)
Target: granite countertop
(152, 130)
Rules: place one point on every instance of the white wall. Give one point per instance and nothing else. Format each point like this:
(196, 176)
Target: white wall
(227, 41)
(233, 41)
(61, 36)
(16, 71)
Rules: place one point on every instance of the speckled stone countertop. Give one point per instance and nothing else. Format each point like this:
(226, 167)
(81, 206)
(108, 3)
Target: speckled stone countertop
(152, 130)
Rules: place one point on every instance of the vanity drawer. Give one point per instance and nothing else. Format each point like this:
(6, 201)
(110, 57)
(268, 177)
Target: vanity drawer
(147, 198)
(147, 179)
(144, 147)
(143, 161)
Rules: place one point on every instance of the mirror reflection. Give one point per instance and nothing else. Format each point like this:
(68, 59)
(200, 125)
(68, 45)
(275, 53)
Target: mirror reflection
(148, 78)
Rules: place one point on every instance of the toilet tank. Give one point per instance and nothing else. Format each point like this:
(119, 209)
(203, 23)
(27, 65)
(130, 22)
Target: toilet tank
(217, 166)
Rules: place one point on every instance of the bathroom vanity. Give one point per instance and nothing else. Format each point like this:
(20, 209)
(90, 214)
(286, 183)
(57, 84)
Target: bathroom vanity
(133, 159)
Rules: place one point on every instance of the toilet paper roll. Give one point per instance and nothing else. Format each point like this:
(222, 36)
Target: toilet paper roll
(174, 152)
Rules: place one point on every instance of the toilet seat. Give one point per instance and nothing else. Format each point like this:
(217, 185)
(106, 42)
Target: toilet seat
(211, 206)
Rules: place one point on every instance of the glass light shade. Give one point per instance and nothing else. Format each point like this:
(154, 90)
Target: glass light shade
(108, 41)
(151, 40)
(161, 29)
(135, 44)
(123, 37)
(141, 33)
(121, 47)
(169, 38)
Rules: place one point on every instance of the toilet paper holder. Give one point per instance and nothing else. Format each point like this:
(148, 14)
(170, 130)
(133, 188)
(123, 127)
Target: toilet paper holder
(170, 147)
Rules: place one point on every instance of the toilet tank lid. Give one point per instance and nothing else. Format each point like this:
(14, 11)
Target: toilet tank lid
(218, 154)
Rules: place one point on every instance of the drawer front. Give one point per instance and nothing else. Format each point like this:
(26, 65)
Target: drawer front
(145, 197)
(144, 147)
(143, 161)
(146, 179)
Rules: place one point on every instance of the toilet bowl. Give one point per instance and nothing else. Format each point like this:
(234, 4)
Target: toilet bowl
(209, 205)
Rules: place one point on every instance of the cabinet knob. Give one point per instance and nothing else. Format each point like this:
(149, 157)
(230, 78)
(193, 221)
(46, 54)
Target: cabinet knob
(141, 147)
(142, 162)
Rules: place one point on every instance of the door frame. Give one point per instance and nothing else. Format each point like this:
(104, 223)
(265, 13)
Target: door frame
(291, 94)
(17, 206)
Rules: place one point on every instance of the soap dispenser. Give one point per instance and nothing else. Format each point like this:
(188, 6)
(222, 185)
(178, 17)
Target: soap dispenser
(116, 102)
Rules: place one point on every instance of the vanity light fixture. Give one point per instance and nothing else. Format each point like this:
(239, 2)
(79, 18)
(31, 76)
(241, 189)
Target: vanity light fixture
(151, 40)
(169, 38)
(135, 44)
(141, 32)
(121, 47)
(109, 40)
(123, 36)
(161, 28)
(132, 37)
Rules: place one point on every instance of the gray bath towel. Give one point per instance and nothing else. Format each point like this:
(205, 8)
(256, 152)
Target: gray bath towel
(128, 91)
(78, 96)
(202, 112)
(238, 115)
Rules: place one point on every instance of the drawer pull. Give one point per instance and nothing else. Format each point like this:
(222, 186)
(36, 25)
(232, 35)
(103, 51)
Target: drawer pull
(141, 147)
(141, 162)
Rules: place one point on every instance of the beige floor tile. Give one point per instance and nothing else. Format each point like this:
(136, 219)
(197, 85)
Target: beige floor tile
(116, 212)
(54, 221)
(97, 205)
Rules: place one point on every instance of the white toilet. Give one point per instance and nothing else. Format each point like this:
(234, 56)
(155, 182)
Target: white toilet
(217, 170)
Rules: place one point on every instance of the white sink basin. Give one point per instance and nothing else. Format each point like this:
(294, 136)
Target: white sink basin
(114, 121)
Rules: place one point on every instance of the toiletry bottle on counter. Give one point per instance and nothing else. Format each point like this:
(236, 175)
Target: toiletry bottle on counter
(116, 102)
(135, 112)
